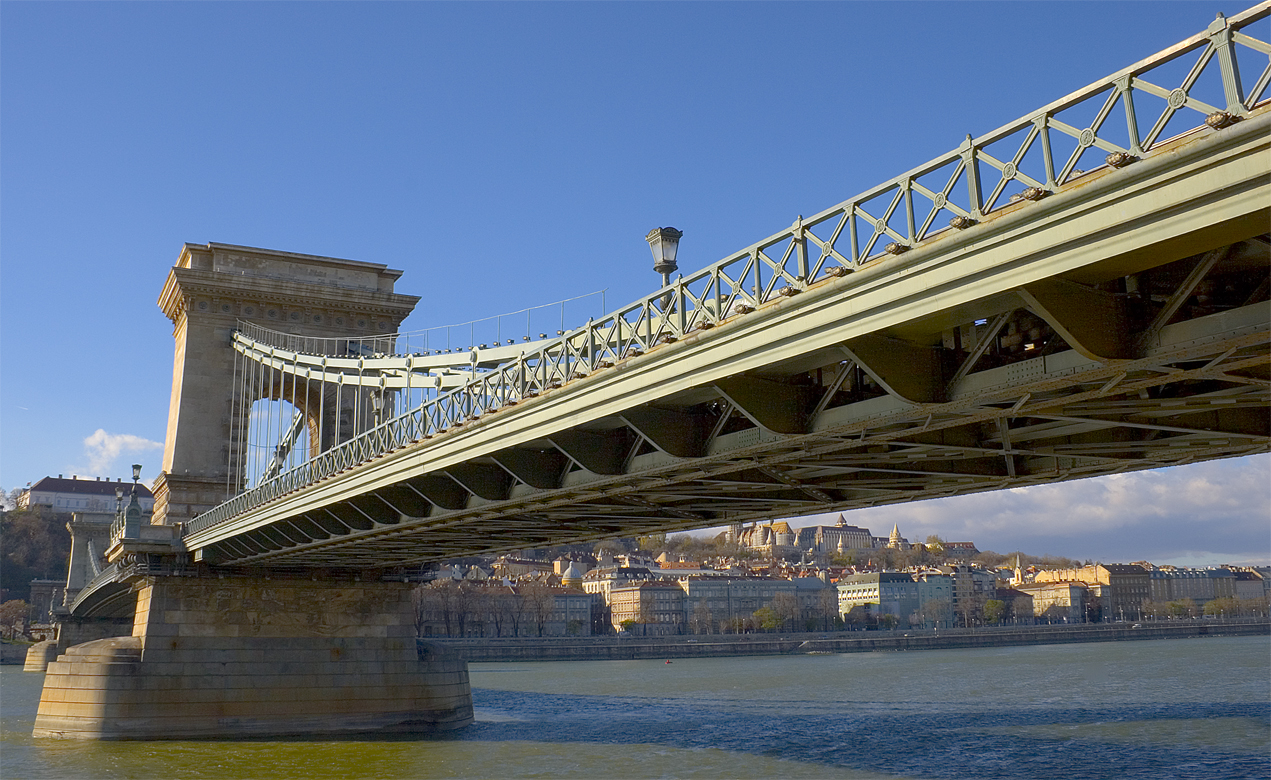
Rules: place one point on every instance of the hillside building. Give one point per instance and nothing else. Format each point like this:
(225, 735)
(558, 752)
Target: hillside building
(1172, 583)
(82, 495)
(1118, 589)
(1057, 602)
(836, 538)
(656, 606)
(716, 603)
(878, 593)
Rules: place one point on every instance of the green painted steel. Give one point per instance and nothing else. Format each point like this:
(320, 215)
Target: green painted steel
(875, 261)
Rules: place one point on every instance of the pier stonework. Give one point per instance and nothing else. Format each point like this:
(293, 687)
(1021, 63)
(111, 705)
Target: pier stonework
(210, 290)
(254, 656)
(167, 649)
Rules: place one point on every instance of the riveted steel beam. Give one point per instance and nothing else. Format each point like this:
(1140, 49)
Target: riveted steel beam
(376, 509)
(288, 530)
(441, 491)
(678, 434)
(489, 482)
(541, 469)
(774, 406)
(350, 516)
(262, 538)
(812, 490)
(326, 521)
(909, 371)
(1093, 322)
(600, 453)
(405, 500)
(309, 528)
(1203, 265)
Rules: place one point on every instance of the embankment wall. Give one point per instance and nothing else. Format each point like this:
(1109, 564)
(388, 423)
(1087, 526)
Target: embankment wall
(706, 646)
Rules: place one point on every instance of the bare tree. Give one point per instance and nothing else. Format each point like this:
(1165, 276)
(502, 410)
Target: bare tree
(478, 598)
(514, 611)
(540, 602)
(827, 607)
(495, 597)
(933, 613)
(700, 620)
(11, 614)
(786, 607)
(423, 605)
(453, 603)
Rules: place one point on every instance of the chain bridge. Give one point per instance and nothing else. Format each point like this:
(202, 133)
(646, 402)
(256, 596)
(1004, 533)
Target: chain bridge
(1072, 294)
(1082, 291)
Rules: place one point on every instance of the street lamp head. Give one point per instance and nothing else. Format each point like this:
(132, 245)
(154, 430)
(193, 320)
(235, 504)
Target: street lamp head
(664, 243)
(136, 472)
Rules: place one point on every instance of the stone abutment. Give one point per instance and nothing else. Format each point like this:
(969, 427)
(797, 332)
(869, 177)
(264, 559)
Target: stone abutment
(254, 656)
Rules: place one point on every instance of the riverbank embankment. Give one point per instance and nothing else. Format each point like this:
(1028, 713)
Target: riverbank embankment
(602, 648)
(13, 652)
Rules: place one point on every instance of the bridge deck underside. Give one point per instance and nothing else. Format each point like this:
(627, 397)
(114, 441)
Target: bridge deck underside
(1133, 335)
(1065, 417)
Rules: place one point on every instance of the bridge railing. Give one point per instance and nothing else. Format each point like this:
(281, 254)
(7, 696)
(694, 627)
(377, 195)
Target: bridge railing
(1024, 160)
(134, 566)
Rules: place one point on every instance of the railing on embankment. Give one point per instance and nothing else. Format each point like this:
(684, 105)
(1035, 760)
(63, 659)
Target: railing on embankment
(607, 648)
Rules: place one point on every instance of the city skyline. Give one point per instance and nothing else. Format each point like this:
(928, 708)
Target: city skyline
(1119, 518)
(504, 157)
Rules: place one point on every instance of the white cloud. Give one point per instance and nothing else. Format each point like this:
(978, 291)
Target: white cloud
(102, 449)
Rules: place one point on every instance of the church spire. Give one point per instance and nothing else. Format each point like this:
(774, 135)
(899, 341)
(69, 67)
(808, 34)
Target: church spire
(896, 541)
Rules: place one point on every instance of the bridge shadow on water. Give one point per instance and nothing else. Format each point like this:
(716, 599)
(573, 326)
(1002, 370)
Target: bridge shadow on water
(940, 740)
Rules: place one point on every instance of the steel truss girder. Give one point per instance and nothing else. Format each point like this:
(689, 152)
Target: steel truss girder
(778, 407)
(399, 437)
(888, 485)
(602, 453)
(909, 371)
(535, 468)
(795, 427)
(678, 434)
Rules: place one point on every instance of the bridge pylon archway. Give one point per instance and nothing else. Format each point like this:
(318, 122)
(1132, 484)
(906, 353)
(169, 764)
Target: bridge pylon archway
(209, 293)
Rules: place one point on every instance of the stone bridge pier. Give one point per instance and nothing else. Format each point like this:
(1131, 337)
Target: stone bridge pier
(251, 656)
(169, 650)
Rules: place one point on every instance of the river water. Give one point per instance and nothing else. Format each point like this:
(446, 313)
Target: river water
(1185, 708)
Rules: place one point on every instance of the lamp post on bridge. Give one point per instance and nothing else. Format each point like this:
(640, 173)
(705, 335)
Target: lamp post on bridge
(127, 521)
(664, 242)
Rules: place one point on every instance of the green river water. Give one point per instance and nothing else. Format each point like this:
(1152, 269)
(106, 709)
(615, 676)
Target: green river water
(1186, 708)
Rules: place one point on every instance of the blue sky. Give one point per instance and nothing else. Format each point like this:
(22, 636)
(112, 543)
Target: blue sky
(505, 155)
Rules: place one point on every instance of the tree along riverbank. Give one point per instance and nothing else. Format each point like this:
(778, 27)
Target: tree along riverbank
(705, 646)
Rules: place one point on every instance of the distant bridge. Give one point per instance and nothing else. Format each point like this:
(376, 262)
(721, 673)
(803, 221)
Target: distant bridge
(1083, 291)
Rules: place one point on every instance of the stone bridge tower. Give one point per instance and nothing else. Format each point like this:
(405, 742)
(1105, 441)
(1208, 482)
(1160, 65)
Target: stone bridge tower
(208, 292)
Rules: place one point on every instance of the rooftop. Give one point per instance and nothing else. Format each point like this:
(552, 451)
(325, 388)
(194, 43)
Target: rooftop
(90, 487)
